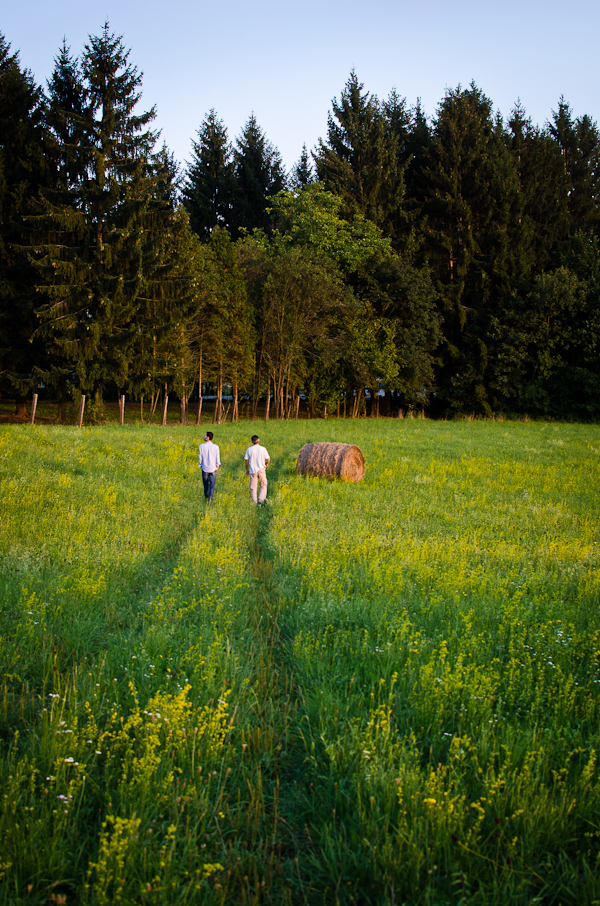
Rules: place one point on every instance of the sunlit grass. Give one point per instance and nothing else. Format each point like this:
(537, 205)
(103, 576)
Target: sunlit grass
(383, 692)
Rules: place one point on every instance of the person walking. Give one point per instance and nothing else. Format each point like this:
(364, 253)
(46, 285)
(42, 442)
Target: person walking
(209, 460)
(257, 459)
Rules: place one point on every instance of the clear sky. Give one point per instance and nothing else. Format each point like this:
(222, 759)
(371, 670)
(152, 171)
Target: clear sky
(285, 61)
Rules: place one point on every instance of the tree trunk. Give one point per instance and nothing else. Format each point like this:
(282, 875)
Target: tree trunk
(256, 389)
(235, 409)
(199, 409)
(153, 405)
(268, 402)
(218, 416)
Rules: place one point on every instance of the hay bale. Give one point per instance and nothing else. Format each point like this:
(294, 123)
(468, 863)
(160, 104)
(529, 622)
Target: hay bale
(327, 460)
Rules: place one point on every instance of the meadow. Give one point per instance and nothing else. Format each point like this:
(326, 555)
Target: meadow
(382, 693)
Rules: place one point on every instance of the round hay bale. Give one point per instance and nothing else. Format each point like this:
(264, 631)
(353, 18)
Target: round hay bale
(328, 460)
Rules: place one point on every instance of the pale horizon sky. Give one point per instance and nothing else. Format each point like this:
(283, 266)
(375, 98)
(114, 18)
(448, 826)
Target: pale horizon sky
(286, 62)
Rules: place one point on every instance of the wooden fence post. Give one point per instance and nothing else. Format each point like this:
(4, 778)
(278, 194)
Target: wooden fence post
(122, 411)
(33, 407)
(81, 408)
(164, 412)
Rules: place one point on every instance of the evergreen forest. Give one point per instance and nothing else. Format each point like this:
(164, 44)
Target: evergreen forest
(449, 261)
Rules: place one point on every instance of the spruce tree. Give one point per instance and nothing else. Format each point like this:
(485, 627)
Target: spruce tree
(208, 188)
(398, 126)
(543, 216)
(579, 144)
(259, 173)
(96, 242)
(416, 150)
(22, 171)
(360, 160)
(65, 124)
(470, 206)
(302, 174)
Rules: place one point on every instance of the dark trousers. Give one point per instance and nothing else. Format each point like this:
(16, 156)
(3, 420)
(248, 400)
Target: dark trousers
(209, 480)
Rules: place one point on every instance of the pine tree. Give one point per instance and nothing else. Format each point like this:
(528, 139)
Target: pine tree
(360, 161)
(302, 174)
(399, 133)
(96, 242)
(543, 218)
(209, 187)
(22, 171)
(259, 174)
(470, 207)
(65, 124)
(416, 151)
(579, 144)
(65, 135)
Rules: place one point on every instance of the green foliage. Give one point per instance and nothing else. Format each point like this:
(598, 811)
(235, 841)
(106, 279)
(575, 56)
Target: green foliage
(394, 327)
(465, 246)
(312, 218)
(472, 190)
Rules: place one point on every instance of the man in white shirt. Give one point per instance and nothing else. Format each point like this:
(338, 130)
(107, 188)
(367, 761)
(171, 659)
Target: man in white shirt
(257, 460)
(209, 460)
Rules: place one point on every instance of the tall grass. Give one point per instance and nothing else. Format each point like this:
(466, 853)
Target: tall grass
(385, 692)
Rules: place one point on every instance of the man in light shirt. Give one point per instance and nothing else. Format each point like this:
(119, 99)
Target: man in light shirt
(257, 460)
(209, 460)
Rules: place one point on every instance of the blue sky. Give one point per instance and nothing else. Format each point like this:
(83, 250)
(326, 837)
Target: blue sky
(285, 61)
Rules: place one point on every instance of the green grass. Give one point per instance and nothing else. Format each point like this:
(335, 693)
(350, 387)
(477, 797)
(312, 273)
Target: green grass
(376, 693)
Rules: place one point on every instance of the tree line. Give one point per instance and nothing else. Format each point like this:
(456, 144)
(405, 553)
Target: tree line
(452, 261)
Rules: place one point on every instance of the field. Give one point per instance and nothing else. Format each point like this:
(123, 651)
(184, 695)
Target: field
(381, 693)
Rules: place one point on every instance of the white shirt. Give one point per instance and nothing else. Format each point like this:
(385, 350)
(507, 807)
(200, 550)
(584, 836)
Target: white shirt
(209, 456)
(257, 457)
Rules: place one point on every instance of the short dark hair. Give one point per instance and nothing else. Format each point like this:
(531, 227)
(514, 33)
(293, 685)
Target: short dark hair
(255, 438)
(210, 435)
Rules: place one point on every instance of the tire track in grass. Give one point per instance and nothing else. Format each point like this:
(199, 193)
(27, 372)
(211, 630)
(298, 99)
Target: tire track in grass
(295, 786)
